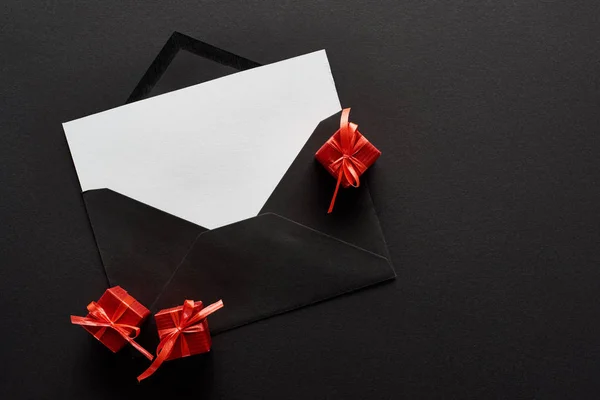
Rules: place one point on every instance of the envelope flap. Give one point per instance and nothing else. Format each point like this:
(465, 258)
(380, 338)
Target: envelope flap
(266, 266)
(304, 193)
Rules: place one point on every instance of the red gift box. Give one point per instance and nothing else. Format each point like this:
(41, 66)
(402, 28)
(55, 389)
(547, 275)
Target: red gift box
(115, 319)
(347, 155)
(197, 342)
(183, 331)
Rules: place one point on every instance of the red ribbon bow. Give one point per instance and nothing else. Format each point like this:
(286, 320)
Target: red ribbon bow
(189, 322)
(98, 317)
(348, 143)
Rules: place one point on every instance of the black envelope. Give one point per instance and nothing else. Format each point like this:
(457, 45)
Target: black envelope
(291, 255)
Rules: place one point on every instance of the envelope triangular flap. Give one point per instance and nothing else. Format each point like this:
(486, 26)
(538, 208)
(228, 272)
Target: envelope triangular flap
(269, 265)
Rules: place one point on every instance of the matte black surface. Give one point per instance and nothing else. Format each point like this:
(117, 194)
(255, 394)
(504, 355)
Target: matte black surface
(140, 246)
(487, 114)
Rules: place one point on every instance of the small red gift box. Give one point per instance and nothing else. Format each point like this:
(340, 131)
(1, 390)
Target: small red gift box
(115, 319)
(183, 331)
(347, 155)
(197, 342)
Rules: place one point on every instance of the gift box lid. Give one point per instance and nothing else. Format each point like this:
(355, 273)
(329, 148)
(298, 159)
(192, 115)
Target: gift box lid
(119, 294)
(197, 307)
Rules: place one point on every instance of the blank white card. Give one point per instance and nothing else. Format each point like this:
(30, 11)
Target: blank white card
(211, 153)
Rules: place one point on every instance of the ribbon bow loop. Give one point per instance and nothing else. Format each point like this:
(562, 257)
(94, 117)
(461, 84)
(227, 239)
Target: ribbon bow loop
(348, 143)
(187, 314)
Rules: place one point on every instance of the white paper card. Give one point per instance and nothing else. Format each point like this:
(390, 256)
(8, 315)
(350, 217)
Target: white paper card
(211, 153)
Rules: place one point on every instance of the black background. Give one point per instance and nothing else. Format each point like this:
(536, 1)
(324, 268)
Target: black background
(487, 113)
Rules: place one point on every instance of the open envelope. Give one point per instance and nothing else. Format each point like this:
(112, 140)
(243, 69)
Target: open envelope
(292, 254)
(288, 254)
